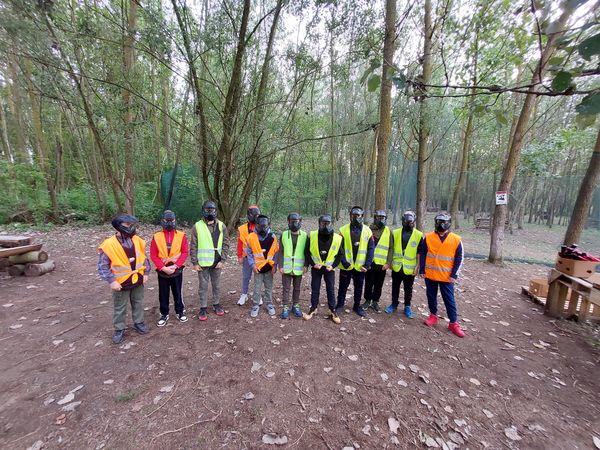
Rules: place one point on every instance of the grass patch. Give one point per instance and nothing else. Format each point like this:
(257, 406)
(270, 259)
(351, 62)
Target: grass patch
(129, 394)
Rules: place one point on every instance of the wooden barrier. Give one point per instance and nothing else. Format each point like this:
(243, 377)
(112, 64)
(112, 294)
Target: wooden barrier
(572, 297)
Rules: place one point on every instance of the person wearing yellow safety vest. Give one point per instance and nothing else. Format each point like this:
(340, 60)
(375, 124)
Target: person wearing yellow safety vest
(261, 248)
(382, 260)
(168, 251)
(209, 248)
(122, 262)
(324, 252)
(359, 250)
(408, 242)
(440, 264)
(292, 263)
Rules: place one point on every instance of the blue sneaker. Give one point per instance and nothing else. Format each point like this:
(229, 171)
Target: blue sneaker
(285, 314)
(297, 311)
(408, 312)
(391, 309)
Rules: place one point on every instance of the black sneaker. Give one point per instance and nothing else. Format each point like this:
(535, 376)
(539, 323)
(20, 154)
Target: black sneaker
(367, 304)
(118, 336)
(163, 320)
(360, 311)
(182, 317)
(375, 307)
(202, 315)
(140, 328)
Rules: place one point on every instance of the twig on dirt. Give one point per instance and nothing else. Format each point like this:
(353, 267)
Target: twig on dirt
(359, 382)
(506, 340)
(27, 359)
(164, 433)
(84, 320)
(460, 361)
(8, 337)
(208, 409)
(24, 436)
(297, 440)
(326, 443)
(167, 401)
(301, 402)
(508, 412)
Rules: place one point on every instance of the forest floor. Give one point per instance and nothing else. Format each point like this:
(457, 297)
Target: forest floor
(517, 380)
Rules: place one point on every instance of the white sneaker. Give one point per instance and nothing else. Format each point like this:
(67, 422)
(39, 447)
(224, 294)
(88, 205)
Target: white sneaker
(242, 300)
(260, 302)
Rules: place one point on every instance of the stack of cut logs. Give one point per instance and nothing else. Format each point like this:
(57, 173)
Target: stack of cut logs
(18, 256)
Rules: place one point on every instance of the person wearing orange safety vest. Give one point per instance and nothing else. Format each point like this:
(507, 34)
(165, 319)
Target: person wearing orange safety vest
(262, 247)
(440, 263)
(122, 263)
(168, 251)
(244, 231)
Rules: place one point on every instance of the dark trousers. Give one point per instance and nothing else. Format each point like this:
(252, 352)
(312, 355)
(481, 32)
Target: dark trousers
(346, 276)
(447, 290)
(173, 285)
(315, 286)
(397, 279)
(374, 278)
(291, 283)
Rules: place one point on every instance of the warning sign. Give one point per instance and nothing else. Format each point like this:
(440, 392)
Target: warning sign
(501, 198)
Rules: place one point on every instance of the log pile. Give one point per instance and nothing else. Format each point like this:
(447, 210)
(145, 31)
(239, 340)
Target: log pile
(18, 256)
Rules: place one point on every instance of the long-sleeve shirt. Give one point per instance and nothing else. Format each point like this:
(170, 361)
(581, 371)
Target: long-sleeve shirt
(169, 235)
(240, 244)
(458, 257)
(104, 261)
(377, 232)
(355, 233)
(324, 246)
(268, 237)
(214, 232)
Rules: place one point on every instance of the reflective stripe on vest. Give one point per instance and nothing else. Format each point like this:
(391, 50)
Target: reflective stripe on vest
(407, 260)
(361, 254)
(206, 247)
(331, 254)
(293, 263)
(119, 262)
(257, 251)
(165, 254)
(440, 256)
(383, 247)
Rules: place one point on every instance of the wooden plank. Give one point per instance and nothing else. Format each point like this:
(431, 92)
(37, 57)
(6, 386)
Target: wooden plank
(6, 252)
(7, 240)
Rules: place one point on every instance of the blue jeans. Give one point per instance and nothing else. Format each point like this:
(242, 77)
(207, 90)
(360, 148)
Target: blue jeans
(246, 275)
(447, 290)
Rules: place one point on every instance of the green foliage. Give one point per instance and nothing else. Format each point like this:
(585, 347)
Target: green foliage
(25, 198)
(590, 105)
(589, 47)
(562, 80)
(373, 82)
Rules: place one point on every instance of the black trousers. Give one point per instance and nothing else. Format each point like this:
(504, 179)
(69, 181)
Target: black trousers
(374, 279)
(174, 285)
(397, 279)
(346, 276)
(315, 286)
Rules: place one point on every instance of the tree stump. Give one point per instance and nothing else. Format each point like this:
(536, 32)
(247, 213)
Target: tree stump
(35, 270)
(29, 257)
(16, 270)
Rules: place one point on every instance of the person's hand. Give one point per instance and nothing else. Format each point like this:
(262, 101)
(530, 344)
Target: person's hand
(219, 265)
(197, 268)
(421, 275)
(168, 269)
(452, 280)
(328, 268)
(363, 269)
(255, 269)
(115, 286)
(145, 279)
(305, 269)
(386, 266)
(281, 270)
(240, 259)
(317, 266)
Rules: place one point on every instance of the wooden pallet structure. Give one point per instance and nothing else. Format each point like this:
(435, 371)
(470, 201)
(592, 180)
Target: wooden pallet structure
(19, 256)
(570, 297)
(534, 298)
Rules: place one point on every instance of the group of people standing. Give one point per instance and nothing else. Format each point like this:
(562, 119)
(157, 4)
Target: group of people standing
(363, 254)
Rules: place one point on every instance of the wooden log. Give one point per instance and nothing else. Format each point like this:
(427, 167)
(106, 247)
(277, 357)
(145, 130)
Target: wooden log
(39, 256)
(35, 270)
(4, 263)
(6, 252)
(14, 241)
(16, 270)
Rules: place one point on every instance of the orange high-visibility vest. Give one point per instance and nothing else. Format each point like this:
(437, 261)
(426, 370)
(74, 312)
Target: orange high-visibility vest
(119, 262)
(244, 232)
(440, 256)
(164, 253)
(258, 253)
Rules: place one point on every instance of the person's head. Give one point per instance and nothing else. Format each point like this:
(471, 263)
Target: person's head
(379, 218)
(325, 224)
(262, 225)
(356, 216)
(125, 224)
(209, 210)
(253, 213)
(294, 222)
(443, 222)
(168, 220)
(409, 219)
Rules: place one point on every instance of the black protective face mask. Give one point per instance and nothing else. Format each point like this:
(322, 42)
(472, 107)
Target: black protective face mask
(357, 221)
(294, 226)
(442, 227)
(127, 232)
(262, 230)
(168, 224)
(326, 230)
(209, 215)
(380, 223)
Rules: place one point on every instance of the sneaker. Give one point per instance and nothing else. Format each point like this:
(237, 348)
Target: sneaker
(366, 305)
(335, 318)
(456, 329)
(260, 302)
(339, 310)
(181, 317)
(297, 311)
(375, 307)
(285, 313)
(271, 309)
(140, 328)
(391, 309)
(431, 320)
(360, 311)
(254, 311)
(118, 336)
(202, 315)
(218, 310)
(164, 318)
(311, 313)
(242, 300)
(408, 312)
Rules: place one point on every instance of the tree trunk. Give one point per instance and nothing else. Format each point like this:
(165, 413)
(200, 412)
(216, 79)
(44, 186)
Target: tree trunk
(15, 106)
(584, 197)
(16, 270)
(6, 150)
(385, 107)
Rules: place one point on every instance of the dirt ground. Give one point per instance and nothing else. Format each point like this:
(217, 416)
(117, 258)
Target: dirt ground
(518, 379)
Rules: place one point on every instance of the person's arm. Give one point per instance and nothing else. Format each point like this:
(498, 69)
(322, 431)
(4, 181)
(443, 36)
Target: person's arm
(422, 251)
(104, 268)
(370, 253)
(154, 255)
(184, 252)
(458, 260)
(390, 255)
(308, 262)
(194, 247)
(340, 258)
(225, 248)
(249, 255)
(276, 255)
(279, 255)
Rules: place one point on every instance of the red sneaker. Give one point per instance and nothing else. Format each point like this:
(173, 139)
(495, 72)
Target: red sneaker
(456, 329)
(202, 315)
(218, 310)
(431, 320)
